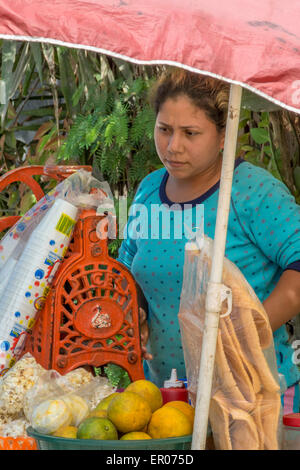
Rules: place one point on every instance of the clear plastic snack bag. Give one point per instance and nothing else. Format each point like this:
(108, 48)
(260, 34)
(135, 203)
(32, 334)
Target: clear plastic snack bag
(61, 400)
(16, 383)
(48, 406)
(245, 403)
(31, 252)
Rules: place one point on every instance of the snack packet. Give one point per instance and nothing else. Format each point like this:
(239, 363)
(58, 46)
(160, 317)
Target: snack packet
(245, 402)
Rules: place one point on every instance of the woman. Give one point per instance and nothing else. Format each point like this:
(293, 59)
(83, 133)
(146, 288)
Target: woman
(263, 230)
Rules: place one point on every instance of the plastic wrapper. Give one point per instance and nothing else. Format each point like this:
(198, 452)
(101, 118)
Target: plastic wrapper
(50, 415)
(57, 400)
(31, 252)
(27, 384)
(245, 401)
(14, 428)
(15, 384)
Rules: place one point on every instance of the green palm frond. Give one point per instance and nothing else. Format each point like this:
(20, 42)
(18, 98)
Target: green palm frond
(143, 125)
(117, 134)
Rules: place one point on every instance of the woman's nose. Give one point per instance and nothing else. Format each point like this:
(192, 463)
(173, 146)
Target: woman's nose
(175, 143)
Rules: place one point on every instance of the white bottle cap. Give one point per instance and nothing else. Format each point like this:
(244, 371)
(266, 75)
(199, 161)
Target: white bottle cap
(173, 381)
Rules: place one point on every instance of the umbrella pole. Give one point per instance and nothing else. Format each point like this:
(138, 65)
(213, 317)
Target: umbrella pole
(213, 297)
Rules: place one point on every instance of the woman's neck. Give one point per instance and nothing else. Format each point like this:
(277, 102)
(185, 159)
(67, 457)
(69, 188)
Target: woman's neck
(182, 190)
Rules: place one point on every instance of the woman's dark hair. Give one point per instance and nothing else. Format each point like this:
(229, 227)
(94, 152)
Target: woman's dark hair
(207, 93)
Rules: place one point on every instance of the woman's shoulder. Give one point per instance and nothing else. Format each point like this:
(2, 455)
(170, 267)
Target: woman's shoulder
(252, 177)
(152, 180)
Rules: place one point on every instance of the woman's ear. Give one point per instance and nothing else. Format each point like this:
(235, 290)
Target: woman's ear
(222, 141)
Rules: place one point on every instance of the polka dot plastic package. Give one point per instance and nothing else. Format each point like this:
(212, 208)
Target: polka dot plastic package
(30, 254)
(31, 277)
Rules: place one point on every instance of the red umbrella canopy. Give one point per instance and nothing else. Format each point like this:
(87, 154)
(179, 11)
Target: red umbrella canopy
(253, 43)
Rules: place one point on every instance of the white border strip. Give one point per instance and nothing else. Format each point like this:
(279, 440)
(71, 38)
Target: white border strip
(58, 42)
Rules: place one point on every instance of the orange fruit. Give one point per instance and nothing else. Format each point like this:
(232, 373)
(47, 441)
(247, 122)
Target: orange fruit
(97, 414)
(66, 431)
(97, 428)
(132, 436)
(103, 404)
(183, 406)
(129, 412)
(169, 422)
(147, 390)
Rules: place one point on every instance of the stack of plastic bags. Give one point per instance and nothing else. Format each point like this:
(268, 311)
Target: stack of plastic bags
(245, 402)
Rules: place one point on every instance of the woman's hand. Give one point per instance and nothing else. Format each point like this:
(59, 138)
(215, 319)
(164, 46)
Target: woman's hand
(144, 333)
(144, 329)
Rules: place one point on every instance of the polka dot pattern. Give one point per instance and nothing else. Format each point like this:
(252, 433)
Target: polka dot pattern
(262, 240)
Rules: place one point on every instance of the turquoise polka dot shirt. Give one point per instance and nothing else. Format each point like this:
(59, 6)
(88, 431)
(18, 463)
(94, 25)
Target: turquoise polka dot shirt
(263, 240)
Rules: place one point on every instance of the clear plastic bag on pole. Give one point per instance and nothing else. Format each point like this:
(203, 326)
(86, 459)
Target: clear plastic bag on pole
(31, 252)
(245, 401)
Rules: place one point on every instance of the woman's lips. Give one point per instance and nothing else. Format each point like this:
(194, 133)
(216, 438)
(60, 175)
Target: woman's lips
(174, 164)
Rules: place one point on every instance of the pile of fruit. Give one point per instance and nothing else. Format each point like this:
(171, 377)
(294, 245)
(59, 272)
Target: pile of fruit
(136, 413)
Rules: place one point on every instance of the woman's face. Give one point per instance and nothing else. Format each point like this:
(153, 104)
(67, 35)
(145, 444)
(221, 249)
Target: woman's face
(187, 142)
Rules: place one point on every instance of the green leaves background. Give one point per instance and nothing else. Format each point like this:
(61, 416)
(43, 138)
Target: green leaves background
(62, 105)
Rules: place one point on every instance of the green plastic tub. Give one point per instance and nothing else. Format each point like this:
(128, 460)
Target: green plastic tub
(45, 442)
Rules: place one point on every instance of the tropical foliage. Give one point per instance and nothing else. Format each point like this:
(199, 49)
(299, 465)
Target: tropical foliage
(270, 138)
(117, 134)
(71, 106)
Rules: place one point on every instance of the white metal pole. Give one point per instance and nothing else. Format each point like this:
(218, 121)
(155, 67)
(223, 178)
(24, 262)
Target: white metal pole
(213, 298)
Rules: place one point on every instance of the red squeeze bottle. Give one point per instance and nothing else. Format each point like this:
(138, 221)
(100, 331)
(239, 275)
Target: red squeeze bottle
(174, 389)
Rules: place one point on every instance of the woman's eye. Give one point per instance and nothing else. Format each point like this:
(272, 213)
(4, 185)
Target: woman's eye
(163, 129)
(191, 133)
